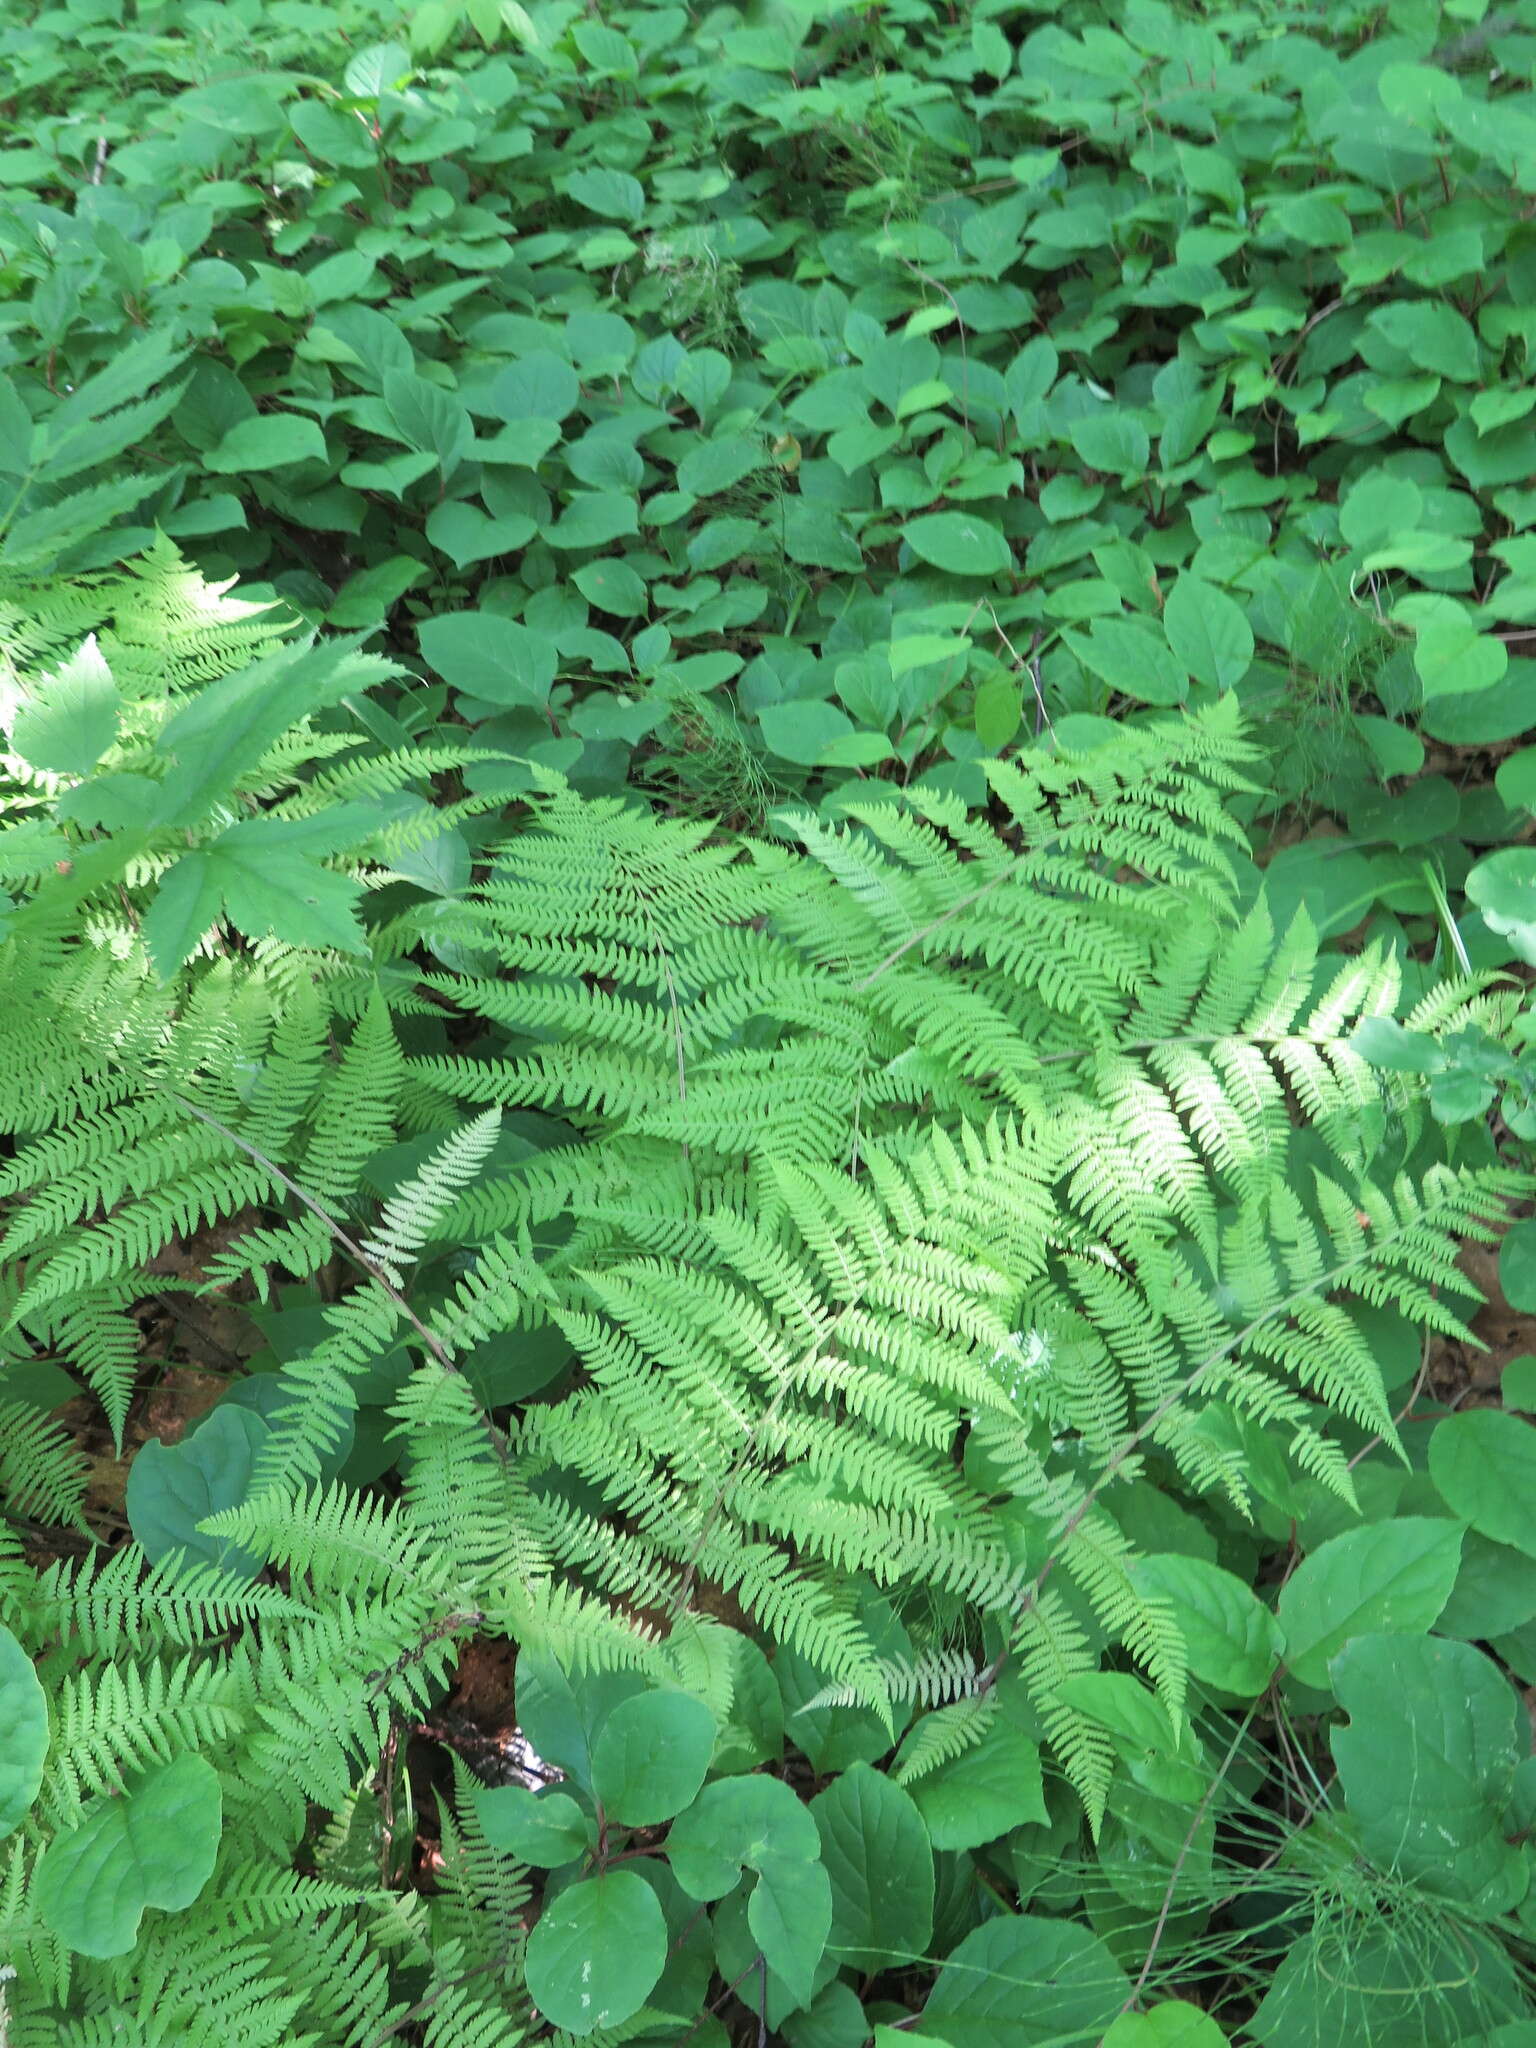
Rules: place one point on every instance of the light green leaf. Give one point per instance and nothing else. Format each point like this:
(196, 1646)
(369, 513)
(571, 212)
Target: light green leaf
(173, 1487)
(716, 465)
(539, 386)
(613, 586)
(985, 1792)
(593, 518)
(790, 1914)
(1112, 441)
(153, 1846)
(1389, 1576)
(271, 440)
(485, 655)
(737, 1824)
(1434, 336)
(1504, 889)
(1427, 1764)
(878, 1856)
(1026, 1982)
(1453, 660)
(961, 543)
(467, 535)
(544, 1829)
(1172, 2025)
(1134, 659)
(273, 885)
(1483, 1464)
(803, 729)
(428, 418)
(185, 904)
(23, 1732)
(596, 1952)
(1231, 1639)
(68, 720)
(1208, 632)
(650, 1758)
(377, 70)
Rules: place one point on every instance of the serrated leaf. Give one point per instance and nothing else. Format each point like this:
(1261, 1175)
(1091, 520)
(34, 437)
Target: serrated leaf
(1389, 1576)
(1427, 1764)
(1231, 1639)
(69, 719)
(1483, 1464)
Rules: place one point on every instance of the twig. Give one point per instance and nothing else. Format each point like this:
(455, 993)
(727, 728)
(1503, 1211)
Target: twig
(101, 158)
(1178, 1862)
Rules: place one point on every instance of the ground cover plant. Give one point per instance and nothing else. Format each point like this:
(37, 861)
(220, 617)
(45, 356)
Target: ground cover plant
(763, 858)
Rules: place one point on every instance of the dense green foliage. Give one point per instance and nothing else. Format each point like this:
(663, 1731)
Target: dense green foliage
(662, 675)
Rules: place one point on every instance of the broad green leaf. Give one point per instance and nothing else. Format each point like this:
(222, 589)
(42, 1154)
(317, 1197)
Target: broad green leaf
(368, 598)
(270, 440)
(1387, 1577)
(803, 729)
(593, 518)
(377, 70)
(613, 587)
(1432, 335)
(789, 1914)
(1390, 1046)
(877, 1854)
(186, 902)
(1026, 1982)
(1517, 1387)
(1171, 2025)
(272, 882)
(985, 1792)
(68, 721)
(562, 1717)
(1134, 659)
(1453, 661)
(734, 1824)
(173, 1487)
(1112, 441)
(15, 431)
(998, 711)
(428, 418)
(1231, 1639)
(541, 385)
(1503, 886)
(155, 1845)
(596, 1952)
(23, 1732)
(487, 656)
(611, 193)
(650, 1759)
(716, 465)
(1427, 1765)
(962, 543)
(1483, 1464)
(545, 1829)
(467, 535)
(1208, 633)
